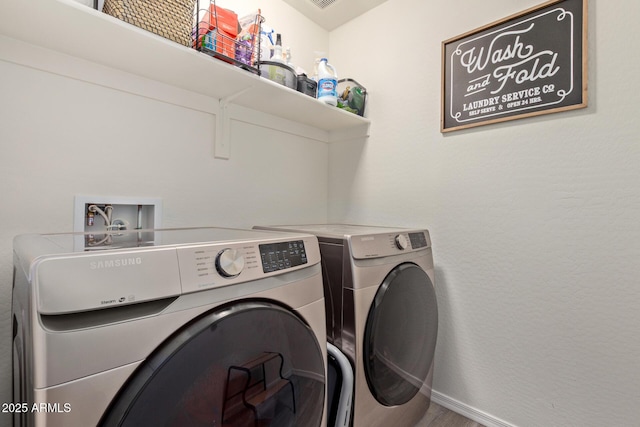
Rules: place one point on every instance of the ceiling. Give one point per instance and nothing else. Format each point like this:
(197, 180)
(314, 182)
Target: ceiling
(330, 14)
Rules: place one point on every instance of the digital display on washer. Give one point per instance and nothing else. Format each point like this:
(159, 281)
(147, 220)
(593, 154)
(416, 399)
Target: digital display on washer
(418, 240)
(283, 255)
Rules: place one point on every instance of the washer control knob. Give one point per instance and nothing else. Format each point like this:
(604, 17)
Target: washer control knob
(401, 242)
(229, 262)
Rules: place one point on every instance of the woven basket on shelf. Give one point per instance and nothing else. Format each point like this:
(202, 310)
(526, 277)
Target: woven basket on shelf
(171, 19)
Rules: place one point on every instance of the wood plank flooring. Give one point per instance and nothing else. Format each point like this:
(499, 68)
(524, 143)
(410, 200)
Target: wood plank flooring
(439, 416)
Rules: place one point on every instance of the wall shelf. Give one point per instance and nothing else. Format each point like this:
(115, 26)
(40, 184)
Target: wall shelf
(80, 31)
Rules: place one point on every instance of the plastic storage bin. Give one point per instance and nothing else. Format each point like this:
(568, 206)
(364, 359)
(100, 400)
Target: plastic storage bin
(279, 73)
(307, 85)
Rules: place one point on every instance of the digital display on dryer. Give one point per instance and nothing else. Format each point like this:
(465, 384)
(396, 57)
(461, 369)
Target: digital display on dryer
(418, 240)
(283, 255)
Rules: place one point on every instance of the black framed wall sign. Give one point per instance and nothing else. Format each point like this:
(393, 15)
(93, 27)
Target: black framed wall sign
(528, 64)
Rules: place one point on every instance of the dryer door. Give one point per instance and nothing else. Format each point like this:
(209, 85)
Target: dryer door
(247, 364)
(400, 335)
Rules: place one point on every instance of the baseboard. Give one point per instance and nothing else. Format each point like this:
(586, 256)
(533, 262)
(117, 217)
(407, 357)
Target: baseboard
(468, 411)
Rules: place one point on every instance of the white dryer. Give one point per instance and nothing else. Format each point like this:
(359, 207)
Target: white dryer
(382, 313)
(191, 327)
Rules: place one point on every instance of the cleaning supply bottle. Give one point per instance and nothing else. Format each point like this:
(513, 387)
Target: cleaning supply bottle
(277, 73)
(287, 57)
(277, 50)
(327, 83)
(266, 42)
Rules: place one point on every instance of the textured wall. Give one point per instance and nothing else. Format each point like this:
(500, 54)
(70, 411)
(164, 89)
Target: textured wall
(534, 222)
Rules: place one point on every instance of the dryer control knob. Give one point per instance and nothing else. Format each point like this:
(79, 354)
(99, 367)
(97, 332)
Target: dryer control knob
(229, 262)
(401, 242)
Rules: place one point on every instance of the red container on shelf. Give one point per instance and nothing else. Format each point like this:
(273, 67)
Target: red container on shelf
(219, 28)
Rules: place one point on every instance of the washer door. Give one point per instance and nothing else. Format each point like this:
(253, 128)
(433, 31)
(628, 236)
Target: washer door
(400, 335)
(247, 364)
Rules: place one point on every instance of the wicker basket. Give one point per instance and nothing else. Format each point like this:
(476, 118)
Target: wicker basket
(171, 19)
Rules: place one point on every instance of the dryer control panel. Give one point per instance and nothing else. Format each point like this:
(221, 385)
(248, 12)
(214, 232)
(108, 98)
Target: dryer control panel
(387, 244)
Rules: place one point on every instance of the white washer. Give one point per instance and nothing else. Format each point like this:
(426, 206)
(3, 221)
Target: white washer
(382, 313)
(189, 327)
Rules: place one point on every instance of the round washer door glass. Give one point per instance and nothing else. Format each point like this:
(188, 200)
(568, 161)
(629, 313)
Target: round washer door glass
(400, 335)
(249, 364)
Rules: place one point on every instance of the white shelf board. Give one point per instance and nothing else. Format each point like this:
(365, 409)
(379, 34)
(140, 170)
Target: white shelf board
(80, 31)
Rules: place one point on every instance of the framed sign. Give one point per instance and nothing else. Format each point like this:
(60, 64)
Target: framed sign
(531, 63)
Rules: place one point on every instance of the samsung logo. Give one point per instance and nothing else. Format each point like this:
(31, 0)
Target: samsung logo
(115, 263)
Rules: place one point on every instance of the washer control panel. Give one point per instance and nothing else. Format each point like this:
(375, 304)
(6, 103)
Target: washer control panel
(210, 266)
(283, 255)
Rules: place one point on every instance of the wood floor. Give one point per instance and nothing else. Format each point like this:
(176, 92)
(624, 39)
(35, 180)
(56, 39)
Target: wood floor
(439, 416)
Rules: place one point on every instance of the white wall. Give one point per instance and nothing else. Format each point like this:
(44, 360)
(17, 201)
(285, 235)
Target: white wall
(69, 127)
(534, 222)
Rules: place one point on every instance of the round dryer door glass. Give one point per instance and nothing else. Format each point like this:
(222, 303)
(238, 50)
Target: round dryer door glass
(249, 364)
(400, 335)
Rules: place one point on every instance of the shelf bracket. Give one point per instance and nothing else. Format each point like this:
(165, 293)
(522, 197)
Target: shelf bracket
(223, 126)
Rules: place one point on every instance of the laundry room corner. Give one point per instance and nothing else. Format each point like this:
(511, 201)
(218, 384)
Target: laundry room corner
(533, 221)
